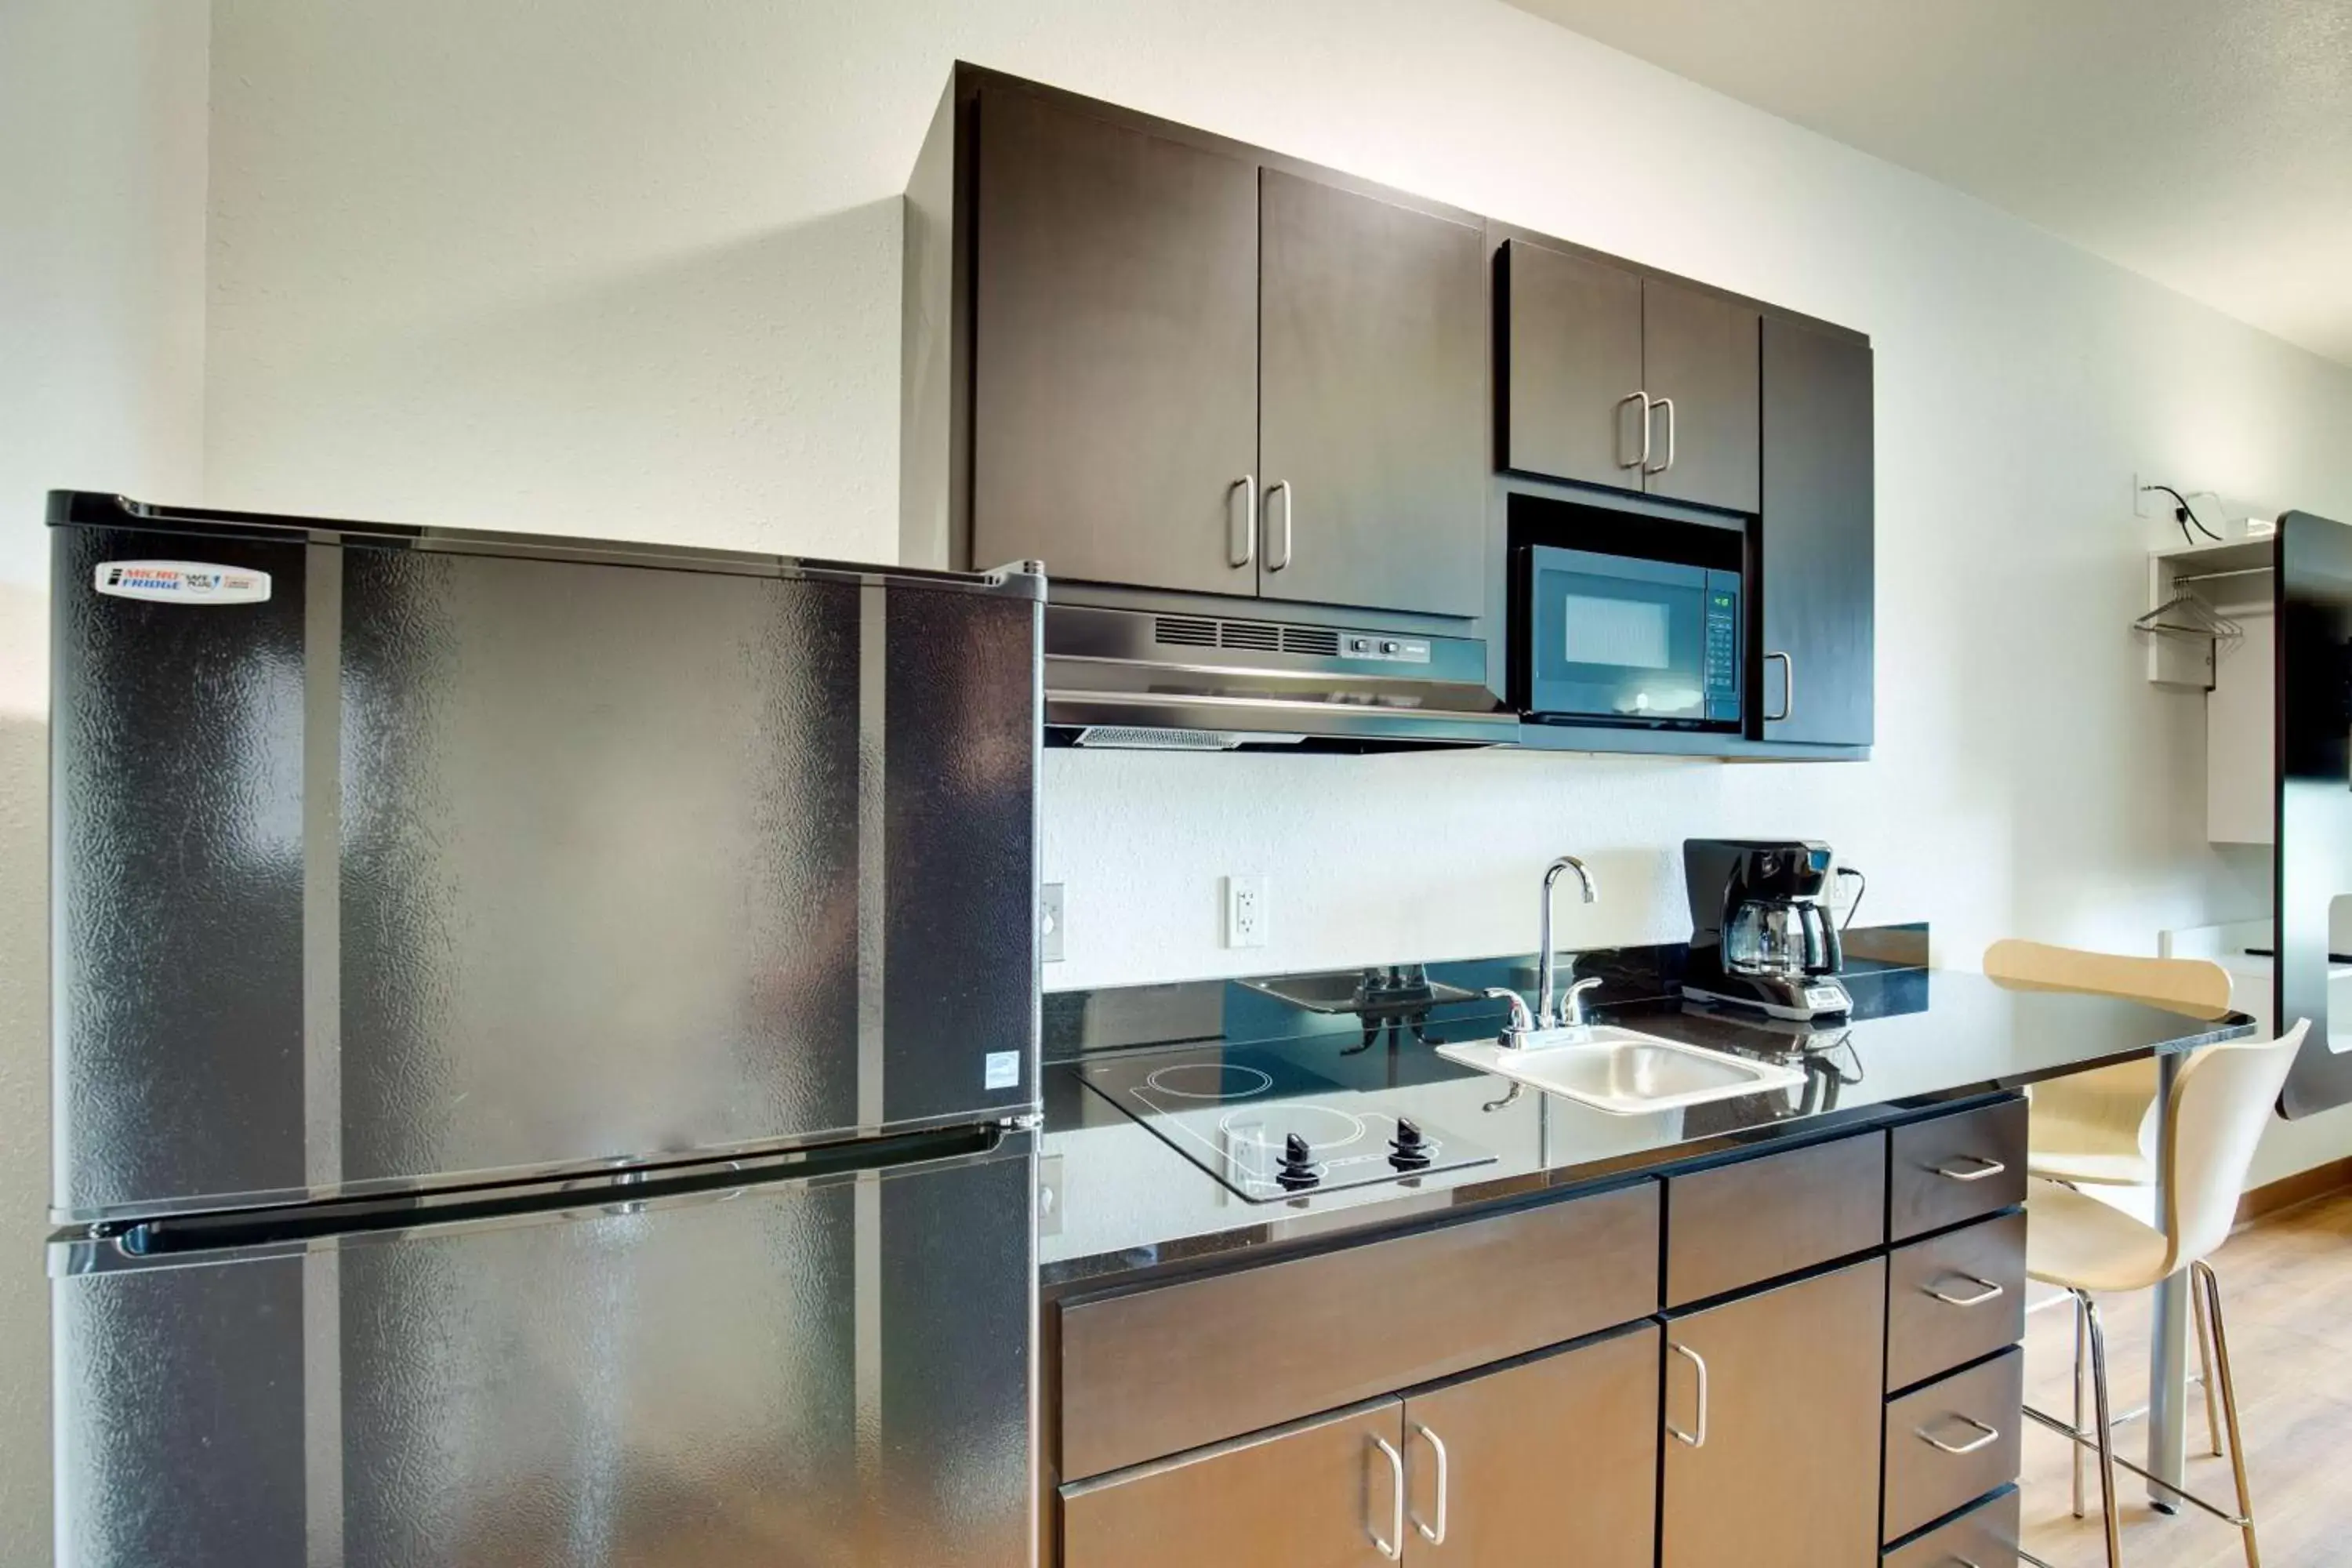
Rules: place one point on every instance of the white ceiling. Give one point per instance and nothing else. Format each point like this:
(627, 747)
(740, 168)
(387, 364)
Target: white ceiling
(2207, 143)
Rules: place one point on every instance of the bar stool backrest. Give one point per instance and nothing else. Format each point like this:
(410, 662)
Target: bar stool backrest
(2196, 986)
(2221, 1103)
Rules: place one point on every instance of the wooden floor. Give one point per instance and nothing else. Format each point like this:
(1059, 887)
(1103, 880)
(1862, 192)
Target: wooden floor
(2287, 1286)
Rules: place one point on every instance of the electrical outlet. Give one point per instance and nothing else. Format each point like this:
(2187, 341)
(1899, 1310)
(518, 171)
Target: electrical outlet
(2144, 500)
(1246, 911)
(1049, 923)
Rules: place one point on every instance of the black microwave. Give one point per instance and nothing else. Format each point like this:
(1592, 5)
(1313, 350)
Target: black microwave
(1622, 639)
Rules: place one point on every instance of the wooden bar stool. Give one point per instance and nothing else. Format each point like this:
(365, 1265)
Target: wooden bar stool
(2215, 1116)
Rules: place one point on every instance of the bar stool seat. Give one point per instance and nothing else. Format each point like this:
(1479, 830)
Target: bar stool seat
(2078, 1242)
(2098, 1127)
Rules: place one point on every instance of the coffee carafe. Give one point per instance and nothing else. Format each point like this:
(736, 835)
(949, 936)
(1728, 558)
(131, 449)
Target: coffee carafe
(1762, 936)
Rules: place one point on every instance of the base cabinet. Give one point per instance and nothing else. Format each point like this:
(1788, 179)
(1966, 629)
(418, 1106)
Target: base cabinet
(1554, 1460)
(1319, 1494)
(1772, 1413)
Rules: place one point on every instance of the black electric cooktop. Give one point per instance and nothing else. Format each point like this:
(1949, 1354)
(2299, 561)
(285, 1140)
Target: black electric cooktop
(1270, 1128)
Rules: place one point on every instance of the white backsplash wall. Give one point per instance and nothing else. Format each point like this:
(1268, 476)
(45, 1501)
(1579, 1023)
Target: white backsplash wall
(633, 271)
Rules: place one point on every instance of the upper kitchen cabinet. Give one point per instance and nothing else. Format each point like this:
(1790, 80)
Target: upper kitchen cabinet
(1698, 366)
(1115, 352)
(1614, 378)
(1817, 537)
(1153, 359)
(1371, 401)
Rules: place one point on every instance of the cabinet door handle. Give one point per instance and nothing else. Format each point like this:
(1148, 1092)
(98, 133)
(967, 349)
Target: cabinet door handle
(1434, 1533)
(1787, 687)
(1288, 493)
(1988, 1290)
(1696, 1439)
(1240, 541)
(1392, 1546)
(1668, 405)
(1988, 1436)
(1984, 1168)
(1641, 401)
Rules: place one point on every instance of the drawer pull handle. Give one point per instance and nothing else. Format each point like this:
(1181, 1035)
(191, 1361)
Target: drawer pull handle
(1392, 1546)
(1988, 1436)
(1696, 1439)
(1988, 1290)
(1984, 1168)
(1434, 1533)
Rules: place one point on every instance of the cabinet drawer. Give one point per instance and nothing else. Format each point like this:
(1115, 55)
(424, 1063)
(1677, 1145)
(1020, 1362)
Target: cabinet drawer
(1158, 1371)
(1313, 1495)
(1956, 1168)
(1985, 1536)
(1974, 1416)
(1954, 1297)
(1742, 1223)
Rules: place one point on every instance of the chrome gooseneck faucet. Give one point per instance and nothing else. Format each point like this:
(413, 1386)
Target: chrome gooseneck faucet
(1571, 1009)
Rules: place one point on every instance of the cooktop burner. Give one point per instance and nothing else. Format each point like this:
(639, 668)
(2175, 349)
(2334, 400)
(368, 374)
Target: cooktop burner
(1270, 1128)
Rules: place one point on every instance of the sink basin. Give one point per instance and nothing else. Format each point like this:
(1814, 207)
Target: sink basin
(1624, 1071)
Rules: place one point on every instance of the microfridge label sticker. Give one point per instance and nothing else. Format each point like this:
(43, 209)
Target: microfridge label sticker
(1003, 1070)
(183, 581)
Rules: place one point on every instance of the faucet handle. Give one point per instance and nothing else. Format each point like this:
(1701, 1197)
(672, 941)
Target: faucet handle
(1572, 1004)
(1523, 1022)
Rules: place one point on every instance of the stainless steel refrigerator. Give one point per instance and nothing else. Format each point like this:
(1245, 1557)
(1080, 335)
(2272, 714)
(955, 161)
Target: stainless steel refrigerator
(545, 1050)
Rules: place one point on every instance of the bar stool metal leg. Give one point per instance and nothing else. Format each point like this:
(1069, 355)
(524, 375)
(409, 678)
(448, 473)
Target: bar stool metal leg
(2080, 1322)
(2225, 1390)
(2106, 1431)
(2205, 1367)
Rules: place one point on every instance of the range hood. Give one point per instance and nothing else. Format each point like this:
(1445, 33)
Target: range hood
(1139, 678)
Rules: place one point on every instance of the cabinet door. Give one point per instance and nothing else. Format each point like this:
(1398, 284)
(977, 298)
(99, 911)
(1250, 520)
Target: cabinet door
(1552, 1461)
(1321, 1494)
(1114, 409)
(1786, 1475)
(1700, 351)
(1370, 422)
(1573, 348)
(1819, 572)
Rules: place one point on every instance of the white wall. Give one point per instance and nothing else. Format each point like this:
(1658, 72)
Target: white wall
(102, 334)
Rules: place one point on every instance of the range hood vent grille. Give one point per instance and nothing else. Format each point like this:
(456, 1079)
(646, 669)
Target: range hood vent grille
(1253, 637)
(1310, 639)
(1184, 631)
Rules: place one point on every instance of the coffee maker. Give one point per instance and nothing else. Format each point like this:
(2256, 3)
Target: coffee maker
(1762, 934)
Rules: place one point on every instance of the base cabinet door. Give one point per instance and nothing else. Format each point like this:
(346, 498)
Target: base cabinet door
(1771, 1419)
(1554, 1461)
(1325, 1493)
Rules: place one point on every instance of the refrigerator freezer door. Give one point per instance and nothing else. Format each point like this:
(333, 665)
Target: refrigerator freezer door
(834, 1371)
(442, 865)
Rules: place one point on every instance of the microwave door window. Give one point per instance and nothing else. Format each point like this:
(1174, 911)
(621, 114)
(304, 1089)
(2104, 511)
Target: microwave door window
(1626, 648)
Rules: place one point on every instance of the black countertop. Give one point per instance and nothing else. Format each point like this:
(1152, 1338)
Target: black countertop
(1122, 1203)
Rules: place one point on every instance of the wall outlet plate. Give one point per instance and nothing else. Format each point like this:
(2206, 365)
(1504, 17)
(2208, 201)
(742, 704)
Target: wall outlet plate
(1049, 923)
(1246, 911)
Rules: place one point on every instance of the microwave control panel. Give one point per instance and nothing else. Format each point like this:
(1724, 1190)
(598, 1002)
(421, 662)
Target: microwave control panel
(1722, 634)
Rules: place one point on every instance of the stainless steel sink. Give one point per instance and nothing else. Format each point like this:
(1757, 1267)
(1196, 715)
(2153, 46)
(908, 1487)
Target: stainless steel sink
(1624, 1071)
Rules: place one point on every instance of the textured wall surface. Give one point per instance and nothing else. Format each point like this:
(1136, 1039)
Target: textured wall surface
(101, 330)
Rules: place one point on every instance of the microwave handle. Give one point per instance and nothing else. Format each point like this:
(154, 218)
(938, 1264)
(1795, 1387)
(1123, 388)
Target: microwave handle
(1787, 687)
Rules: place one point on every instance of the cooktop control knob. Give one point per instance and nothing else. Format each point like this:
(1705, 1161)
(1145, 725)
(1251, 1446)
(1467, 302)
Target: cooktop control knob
(1408, 1151)
(1296, 1171)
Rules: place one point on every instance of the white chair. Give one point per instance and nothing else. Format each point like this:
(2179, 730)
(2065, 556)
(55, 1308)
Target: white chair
(2219, 1105)
(2099, 1127)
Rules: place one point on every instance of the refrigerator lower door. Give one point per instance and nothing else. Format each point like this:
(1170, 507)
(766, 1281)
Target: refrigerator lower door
(827, 1372)
(445, 866)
